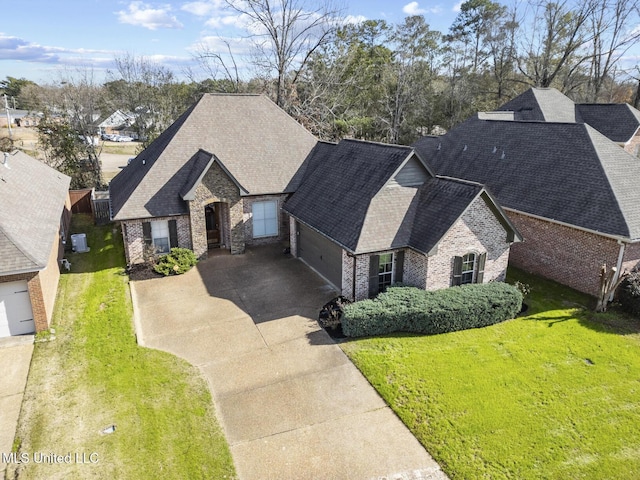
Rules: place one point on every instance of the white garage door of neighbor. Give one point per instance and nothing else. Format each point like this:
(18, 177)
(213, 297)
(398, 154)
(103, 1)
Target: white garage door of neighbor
(16, 315)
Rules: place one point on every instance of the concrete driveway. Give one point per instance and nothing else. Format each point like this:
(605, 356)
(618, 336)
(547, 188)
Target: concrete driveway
(290, 402)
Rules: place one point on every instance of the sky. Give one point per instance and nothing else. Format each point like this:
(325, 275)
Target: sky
(46, 40)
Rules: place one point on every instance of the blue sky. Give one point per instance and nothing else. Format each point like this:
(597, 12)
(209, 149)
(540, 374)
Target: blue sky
(39, 39)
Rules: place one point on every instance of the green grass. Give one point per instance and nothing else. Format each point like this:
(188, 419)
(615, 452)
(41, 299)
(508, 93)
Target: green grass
(553, 395)
(93, 374)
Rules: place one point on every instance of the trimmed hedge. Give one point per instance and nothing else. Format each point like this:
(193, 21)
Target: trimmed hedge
(176, 262)
(410, 309)
(629, 294)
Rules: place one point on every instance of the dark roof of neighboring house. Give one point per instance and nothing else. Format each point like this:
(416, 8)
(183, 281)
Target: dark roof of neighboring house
(559, 171)
(542, 105)
(349, 197)
(616, 121)
(260, 146)
(33, 198)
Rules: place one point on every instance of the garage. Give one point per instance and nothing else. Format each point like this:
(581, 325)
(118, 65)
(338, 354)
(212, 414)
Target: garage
(321, 254)
(16, 315)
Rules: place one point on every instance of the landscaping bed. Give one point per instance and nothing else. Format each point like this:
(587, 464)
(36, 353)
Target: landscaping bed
(549, 395)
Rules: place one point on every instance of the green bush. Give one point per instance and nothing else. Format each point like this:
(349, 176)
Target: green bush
(410, 309)
(629, 293)
(176, 262)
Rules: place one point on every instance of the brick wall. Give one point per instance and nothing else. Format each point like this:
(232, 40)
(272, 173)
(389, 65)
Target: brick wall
(347, 275)
(216, 186)
(631, 259)
(477, 231)
(564, 254)
(415, 269)
(283, 221)
(293, 237)
(134, 238)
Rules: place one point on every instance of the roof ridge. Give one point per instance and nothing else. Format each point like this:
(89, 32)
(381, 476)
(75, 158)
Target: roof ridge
(382, 144)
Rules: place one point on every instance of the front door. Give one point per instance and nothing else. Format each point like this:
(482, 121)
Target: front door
(212, 219)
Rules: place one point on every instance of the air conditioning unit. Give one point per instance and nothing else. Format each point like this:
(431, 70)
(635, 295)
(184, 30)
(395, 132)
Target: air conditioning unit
(79, 242)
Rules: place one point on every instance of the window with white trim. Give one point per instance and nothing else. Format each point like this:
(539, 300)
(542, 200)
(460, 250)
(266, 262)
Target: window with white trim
(265, 218)
(468, 268)
(160, 236)
(385, 271)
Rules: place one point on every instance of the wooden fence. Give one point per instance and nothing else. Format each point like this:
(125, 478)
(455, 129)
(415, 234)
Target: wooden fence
(89, 201)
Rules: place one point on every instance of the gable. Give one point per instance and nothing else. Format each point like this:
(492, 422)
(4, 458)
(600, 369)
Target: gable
(411, 174)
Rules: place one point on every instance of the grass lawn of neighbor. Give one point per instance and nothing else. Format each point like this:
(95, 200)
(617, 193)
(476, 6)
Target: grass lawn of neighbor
(91, 374)
(554, 394)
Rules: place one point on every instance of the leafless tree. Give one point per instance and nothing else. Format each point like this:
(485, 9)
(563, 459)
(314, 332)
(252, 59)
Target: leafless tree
(285, 34)
(214, 63)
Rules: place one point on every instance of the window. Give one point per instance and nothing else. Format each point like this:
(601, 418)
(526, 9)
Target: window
(468, 268)
(160, 236)
(385, 271)
(265, 219)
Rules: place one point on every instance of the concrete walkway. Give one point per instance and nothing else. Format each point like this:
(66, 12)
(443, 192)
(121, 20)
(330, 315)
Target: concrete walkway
(15, 358)
(291, 403)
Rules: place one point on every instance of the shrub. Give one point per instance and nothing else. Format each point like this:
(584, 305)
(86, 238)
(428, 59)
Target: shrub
(176, 262)
(629, 293)
(410, 309)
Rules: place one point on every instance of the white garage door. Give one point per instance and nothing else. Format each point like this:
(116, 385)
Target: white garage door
(16, 316)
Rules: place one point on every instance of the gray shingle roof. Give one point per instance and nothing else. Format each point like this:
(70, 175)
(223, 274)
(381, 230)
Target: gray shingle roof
(542, 105)
(32, 198)
(560, 171)
(616, 121)
(259, 144)
(348, 198)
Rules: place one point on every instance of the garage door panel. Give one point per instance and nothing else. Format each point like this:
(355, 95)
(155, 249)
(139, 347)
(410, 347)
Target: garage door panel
(16, 314)
(321, 254)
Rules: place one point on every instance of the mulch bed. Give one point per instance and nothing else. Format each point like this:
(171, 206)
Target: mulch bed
(142, 271)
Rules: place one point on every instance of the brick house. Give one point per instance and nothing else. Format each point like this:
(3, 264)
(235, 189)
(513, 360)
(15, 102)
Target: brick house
(367, 215)
(216, 178)
(569, 189)
(34, 224)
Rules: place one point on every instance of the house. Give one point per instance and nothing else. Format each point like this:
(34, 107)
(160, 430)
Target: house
(118, 123)
(367, 215)
(216, 178)
(568, 188)
(34, 224)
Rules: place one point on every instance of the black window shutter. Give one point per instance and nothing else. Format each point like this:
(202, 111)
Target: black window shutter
(480, 268)
(399, 266)
(457, 271)
(374, 269)
(146, 233)
(173, 233)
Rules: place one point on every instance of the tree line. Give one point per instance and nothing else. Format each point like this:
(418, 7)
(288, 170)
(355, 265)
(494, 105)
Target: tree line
(371, 80)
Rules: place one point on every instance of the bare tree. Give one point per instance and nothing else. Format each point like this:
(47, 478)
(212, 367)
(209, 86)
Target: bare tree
(215, 63)
(286, 33)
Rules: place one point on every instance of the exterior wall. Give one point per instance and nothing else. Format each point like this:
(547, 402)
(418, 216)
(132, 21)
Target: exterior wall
(415, 269)
(293, 238)
(134, 239)
(362, 277)
(216, 186)
(283, 222)
(477, 231)
(49, 279)
(564, 254)
(347, 275)
(631, 259)
(633, 145)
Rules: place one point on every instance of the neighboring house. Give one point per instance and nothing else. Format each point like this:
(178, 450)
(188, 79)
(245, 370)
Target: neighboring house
(367, 215)
(216, 178)
(34, 224)
(118, 123)
(619, 122)
(571, 191)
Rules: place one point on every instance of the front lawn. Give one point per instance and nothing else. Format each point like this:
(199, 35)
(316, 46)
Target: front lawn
(93, 375)
(553, 395)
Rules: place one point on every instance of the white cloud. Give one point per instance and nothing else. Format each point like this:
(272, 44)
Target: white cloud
(413, 9)
(354, 20)
(457, 6)
(144, 15)
(202, 8)
(15, 48)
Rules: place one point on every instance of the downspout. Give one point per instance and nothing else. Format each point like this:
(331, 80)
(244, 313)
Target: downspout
(618, 266)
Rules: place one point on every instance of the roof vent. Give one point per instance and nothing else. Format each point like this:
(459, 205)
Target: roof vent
(465, 148)
(5, 161)
(503, 156)
(495, 149)
(439, 145)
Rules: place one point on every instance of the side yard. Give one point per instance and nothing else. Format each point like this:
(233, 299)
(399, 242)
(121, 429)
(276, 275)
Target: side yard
(553, 394)
(91, 374)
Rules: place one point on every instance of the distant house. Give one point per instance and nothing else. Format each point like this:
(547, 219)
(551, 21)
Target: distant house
(570, 189)
(367, 215)
(216, 178)
(34, 224)
(118, 123)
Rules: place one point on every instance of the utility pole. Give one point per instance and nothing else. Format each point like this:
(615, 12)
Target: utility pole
(6, 109)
